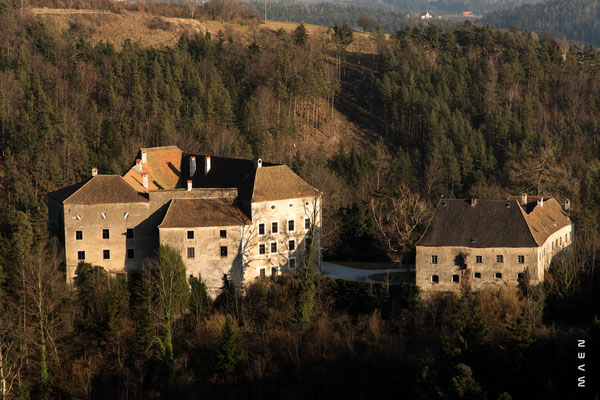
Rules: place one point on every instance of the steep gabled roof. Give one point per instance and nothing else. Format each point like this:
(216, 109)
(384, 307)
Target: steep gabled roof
(278, 183)
(163, 166)
(544, 220)
(489, 223)
(100, 189)
(183, 213)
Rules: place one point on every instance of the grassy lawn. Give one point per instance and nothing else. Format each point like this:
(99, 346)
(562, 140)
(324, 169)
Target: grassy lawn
(394, 277)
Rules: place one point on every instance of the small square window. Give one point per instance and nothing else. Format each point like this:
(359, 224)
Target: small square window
(455, 278)
(521, 259)
(292, 263)
(261, 229)
(291, 225)
(478, 259)
(498, 275)
(223, 251)
(274, 227)
(477, 275)
(435, 279)
(262, 248)
(105, 234)
(191, 252)
(106, 254)
(130, 253)
(81, 255)
(292, 245)
(263, 272)
(78, 235)
(129, 233)
(307, 223)
(190, 234)
(499, 258)
(434, 259)
(223, 233)
(273, 247)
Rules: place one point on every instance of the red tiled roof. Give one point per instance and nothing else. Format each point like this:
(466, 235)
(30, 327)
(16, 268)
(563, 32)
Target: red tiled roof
(163, 165)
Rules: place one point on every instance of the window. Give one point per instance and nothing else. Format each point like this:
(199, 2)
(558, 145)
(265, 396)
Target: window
(434, 259)
(274, 227)
(520, 277)
(129, 233)
(223, 233)
(435, 279)
(455, 278)
(307, 223)
(292, 263)
(130, 253)
(103, 215)
(262, 248)
(560, 241)
(477, 275)
(106, 254)
(81, 255)
(499, 258)
(273, 247)
(105, 233)
(78, 235)
(274, 271)
(191, 252)
(292, 245)
(291, 225)
(261, 229)
(498, 275)
(521, 259)
(478, 259)
(190, 234)
(223, 251)
(262, 272)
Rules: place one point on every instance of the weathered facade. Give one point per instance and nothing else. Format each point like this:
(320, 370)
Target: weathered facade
(490, 243)
(240, 218)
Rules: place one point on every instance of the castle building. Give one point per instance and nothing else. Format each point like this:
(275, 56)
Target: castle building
(490, 243)
(226, 216)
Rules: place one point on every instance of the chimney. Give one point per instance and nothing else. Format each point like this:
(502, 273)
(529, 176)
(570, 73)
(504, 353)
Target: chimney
(540, 201)
(523, 198)
(258, 163)
(206, 164)
(189, 186)
(145, 179)
(192, 165)
(138, 164)
(94, 171)
(144, 158)
(568, 206)
(473, 202)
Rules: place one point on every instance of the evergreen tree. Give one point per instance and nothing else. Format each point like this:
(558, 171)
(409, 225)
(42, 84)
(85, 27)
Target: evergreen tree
(300, 35)
(229, 355)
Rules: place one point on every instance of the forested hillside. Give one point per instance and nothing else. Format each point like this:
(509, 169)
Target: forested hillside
(465, 112)
(577, 20)
(330, 14)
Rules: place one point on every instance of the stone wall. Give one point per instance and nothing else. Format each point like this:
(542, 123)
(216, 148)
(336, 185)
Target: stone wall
(207, 260)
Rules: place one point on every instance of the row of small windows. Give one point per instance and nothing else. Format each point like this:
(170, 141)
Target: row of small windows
(105, 234)
(262, 247)
(105, 254)
(104, 216)
(479, 259)
(476, 275)
(274, 270)
(191, 252)
(291, 226)
(222, 233)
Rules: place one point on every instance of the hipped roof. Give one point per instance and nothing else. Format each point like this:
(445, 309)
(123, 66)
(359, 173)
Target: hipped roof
(183, 213)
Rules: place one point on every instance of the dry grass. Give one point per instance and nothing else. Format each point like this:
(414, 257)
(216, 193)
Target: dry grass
(150, 30)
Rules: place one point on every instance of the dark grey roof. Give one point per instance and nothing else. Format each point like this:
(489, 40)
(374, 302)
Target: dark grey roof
(489, 223)
(189, 213)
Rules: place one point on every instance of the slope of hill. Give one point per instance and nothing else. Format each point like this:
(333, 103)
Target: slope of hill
(577, 20)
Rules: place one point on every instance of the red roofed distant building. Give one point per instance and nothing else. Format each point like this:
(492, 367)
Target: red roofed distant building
(467, 13)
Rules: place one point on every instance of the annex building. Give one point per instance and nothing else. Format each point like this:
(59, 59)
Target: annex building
(226, 216)
(490, 243)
